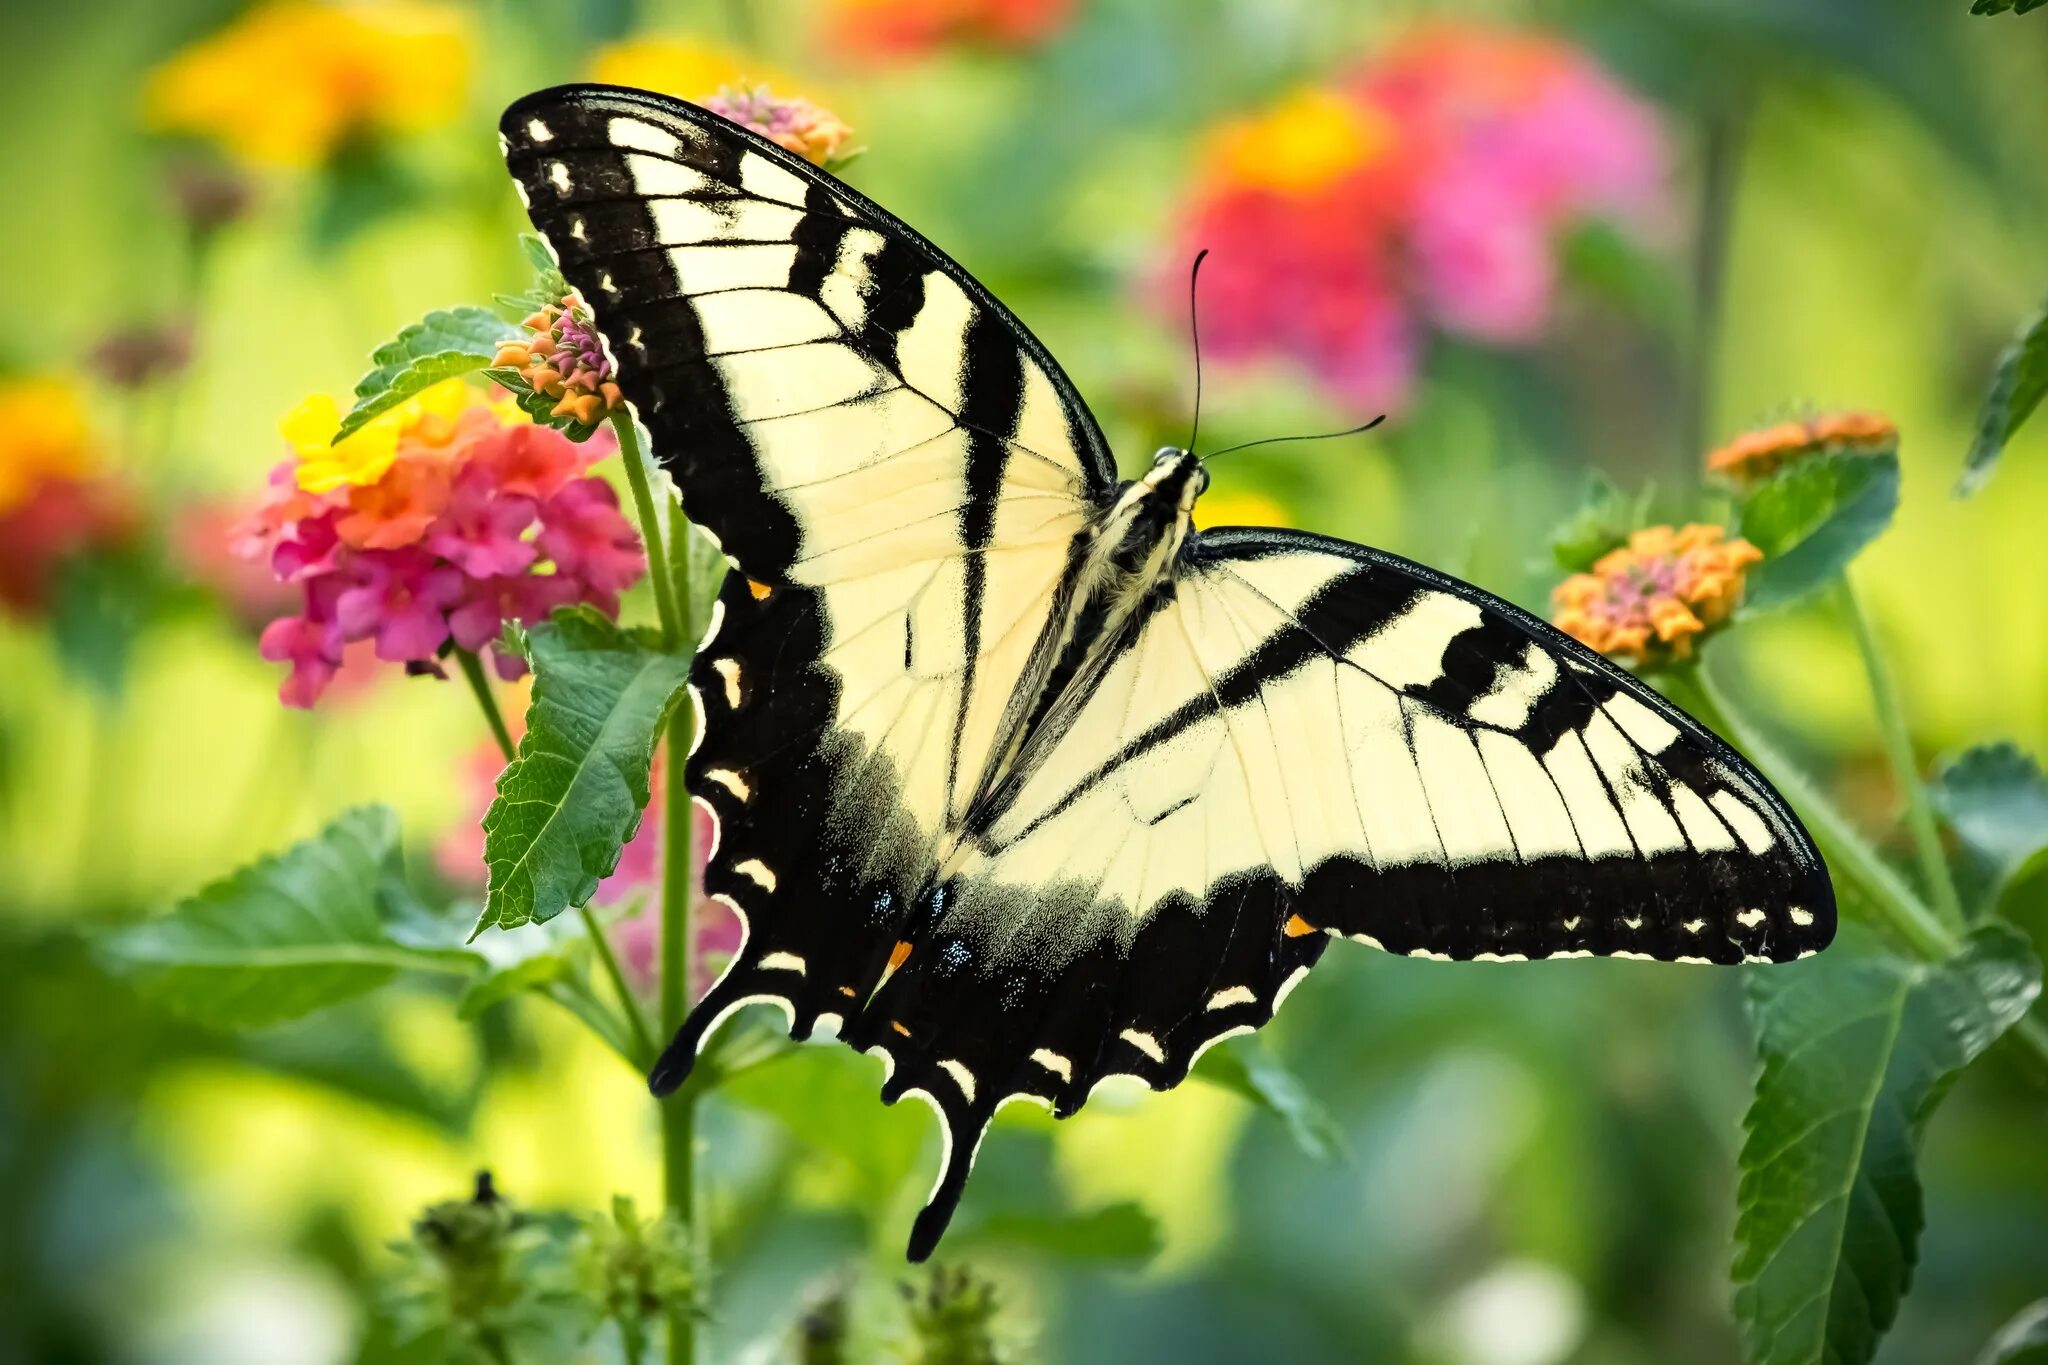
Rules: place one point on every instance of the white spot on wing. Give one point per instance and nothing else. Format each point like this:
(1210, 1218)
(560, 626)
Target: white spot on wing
(1145, 1043)
(962, 1077)
(640, 135)
(783, 962)
(1516, 691)
(1747, 824)
(729, 670)
(539, 131)
(731, 781)
(1235, 995)
(1409, 649)
(756, 871)
(1053, 1062)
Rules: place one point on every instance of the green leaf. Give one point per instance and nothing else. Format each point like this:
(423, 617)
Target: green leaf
(2025, 1333)
(1247, 1067)
(532, 957)
(1996, 800)
(1856, 1053)
(2001, 6)
(285, 935)
(1812, 518)
(573, 797)
(446, 343)
(1604, 520)
(1115, 1232)
(538, 405)
(2018, 383)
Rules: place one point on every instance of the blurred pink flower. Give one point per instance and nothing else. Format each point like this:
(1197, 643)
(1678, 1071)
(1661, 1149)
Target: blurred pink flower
(428, 533)
(1428, 186)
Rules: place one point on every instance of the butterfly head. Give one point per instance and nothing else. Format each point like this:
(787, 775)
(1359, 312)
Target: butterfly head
(1175, 480)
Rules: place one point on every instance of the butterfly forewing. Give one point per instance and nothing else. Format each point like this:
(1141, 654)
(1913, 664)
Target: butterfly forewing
(1010, 896)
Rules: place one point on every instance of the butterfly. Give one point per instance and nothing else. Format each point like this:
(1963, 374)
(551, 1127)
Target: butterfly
(1017, 779)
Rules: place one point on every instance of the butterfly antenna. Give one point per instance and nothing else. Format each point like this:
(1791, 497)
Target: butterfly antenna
(1195, 332)
(1319, 436)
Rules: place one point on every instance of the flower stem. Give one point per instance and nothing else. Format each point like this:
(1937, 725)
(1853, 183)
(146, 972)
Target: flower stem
(1898, 743)
(1897, 906)
(473, 669)
(668, 566)
(1723, 135)
(643, 1040)
(652, 524)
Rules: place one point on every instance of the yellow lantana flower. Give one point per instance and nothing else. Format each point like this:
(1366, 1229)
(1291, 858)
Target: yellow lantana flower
(1310, 138)
(366, 453)
(292, 80)
(1650, 599)
(43, 435)
(1238, 509)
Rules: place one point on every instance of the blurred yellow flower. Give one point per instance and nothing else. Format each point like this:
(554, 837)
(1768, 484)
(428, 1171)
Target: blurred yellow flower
(43, 435)
(291, 81)
(685, 67)
(1239, 509)
(1309, 139)
(1649, 599)
(427, 418)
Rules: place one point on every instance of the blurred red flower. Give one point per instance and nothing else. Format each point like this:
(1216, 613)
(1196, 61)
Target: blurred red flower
(55, 505)
(897, 30)
(1426, 187)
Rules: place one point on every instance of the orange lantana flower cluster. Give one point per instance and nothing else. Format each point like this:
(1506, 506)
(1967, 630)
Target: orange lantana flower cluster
(564, 359)
(1650, 598)
(1756, 455)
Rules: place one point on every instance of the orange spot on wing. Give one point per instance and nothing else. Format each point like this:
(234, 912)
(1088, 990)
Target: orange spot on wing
(898, 1026)
(898, 954)
(847, 991)
(1297, 927)
(760, 590)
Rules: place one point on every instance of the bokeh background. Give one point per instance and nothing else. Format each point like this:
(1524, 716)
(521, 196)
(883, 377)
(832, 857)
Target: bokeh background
(1688, 217)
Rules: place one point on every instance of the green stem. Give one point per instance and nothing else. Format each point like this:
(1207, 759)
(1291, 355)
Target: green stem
(1898, 743)
(1897, 906)
(1724, 132)
(668, 566)
(487, 701)
(600, 942)
(652, 523)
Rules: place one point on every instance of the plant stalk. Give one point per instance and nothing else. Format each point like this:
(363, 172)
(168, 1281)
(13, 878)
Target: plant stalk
(668, 566)
(487, 702)
(1724, 133)
(1939, 884)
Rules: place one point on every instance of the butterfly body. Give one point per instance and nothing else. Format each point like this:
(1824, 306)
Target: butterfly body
(1019, 781)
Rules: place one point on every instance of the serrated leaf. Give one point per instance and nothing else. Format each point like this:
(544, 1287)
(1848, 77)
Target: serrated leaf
(445, 344)
(1856, 1053)
(1812, 518)
(1248, 1068)
(2018, 383)
(573, 797)
(2002, 6)
(2024, 1335)
(1995, 798)
(1122, 1231)
(283, 936)
(539, 406)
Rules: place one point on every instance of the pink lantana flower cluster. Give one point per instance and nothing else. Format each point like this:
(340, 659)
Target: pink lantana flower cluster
(1428, 187)
(428, 529)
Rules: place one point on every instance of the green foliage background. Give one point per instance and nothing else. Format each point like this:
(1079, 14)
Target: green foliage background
(1551, 1149)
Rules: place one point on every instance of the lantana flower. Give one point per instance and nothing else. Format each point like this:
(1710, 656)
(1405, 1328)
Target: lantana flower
(1650, 600)
(55, 504)
(1427, 187)
(795, 124)
(563, 358)
(293, 82)
(1756, 455)
(427, 530)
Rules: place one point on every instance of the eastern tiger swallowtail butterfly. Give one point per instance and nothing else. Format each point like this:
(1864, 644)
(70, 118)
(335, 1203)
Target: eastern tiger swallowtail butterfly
(1016, 777)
